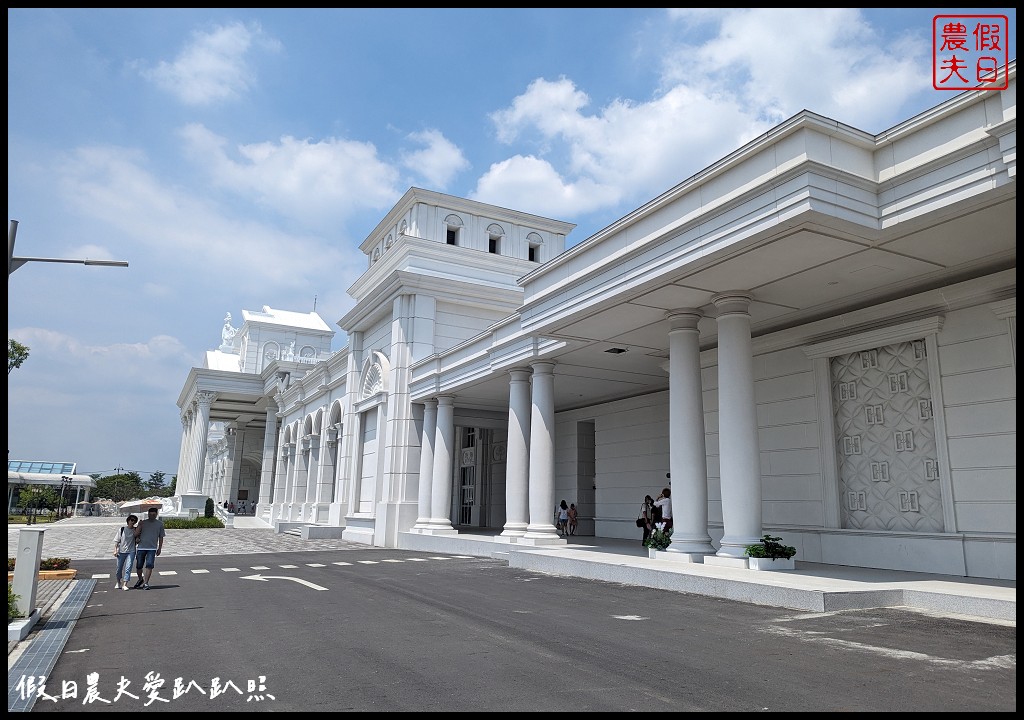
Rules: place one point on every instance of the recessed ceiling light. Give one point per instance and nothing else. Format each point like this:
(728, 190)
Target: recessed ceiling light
(616, 351)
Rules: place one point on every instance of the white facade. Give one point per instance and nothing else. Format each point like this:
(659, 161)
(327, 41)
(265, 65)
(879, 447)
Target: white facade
(815, 337)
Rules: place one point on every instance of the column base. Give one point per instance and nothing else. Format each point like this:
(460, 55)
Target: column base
(680, 555)
(726, 561)
(192, 502)
(537, 540)
(432, 530)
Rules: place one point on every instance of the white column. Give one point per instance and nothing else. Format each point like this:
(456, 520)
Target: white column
(182, 452)
(541, 529)
(267, 465)
(202, 425)
(517, 457)
(441, 480)
(188, 452)
(423, 511)
(299, 483)
(687, 450)
(737, 426)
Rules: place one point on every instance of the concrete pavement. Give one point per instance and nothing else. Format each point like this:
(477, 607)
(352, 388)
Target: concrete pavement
(811, 587)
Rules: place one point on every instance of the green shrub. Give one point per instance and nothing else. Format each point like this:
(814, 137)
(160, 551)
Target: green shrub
(770, 547)
(209, 507)
(12, 604)
(659, 539)
(197, 524)
(54, 563)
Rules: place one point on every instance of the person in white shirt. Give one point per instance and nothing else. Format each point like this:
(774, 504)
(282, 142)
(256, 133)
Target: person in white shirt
(664, 503)
(124, 551)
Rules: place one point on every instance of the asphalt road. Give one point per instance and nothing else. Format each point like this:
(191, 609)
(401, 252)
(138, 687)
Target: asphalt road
(397, 630)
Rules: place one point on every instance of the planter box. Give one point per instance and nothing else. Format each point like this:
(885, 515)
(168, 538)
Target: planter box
(771, 563)
(51, 575)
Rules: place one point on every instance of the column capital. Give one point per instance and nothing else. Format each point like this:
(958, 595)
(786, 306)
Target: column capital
(733, 302)
(519, 374)
(543, 367)
(443, 400)
(684, 318)
(205, 398)
(430, 402)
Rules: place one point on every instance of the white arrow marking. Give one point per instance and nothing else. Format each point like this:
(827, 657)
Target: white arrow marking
(264, 578)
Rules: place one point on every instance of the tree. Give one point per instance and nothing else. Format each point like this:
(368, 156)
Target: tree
(155, 485)
(37, 497)
(120, 487)
(16, 354)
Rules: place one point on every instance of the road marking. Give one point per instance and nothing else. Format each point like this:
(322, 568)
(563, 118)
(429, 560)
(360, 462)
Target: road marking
(367, 562)
(463, 557)
(101, 576)
(265, 578)
(167, 572)
(341, 563)
(438, 557)
(315, 565)
(231, 570)
(417, 559)
(392, 560)
(288, 567)
(996, 661)
(629, 617)
(258, 567)
(200, 572)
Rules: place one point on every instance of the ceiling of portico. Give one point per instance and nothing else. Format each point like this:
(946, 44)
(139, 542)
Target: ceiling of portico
(804, 274)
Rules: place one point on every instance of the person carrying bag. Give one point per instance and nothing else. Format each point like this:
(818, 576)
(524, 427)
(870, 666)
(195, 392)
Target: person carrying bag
(645, 519)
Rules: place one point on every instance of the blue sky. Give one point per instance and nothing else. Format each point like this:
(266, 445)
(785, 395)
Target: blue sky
(237, 158)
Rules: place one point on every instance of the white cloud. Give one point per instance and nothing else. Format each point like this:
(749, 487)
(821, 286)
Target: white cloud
(727, 77)
(533, 185)
(831, 62)
(438, 162)
(189, 235)
(213, 66)
(625, 151)
(315, 184)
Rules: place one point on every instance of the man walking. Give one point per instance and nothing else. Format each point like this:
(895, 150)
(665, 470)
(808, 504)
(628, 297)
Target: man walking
(149, 545)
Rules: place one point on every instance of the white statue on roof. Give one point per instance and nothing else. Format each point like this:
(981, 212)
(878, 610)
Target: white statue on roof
(289, 354)
(227, 334)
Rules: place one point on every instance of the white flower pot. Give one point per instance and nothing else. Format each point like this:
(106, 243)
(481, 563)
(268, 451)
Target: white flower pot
(771, 563)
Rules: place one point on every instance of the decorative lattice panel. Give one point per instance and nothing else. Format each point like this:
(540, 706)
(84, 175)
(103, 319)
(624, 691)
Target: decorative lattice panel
(885, 437)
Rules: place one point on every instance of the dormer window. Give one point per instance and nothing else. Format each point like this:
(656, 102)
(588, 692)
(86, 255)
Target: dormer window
(534, 241)
(495, 233)
(453, 230)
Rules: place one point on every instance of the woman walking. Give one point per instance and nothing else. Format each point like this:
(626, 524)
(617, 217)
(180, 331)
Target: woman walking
(562, 513)
(124, 551)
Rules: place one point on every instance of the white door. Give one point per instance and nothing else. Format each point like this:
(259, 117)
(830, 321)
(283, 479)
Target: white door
(368, 465)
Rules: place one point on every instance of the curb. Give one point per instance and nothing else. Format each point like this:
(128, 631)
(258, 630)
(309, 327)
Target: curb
(18, 630)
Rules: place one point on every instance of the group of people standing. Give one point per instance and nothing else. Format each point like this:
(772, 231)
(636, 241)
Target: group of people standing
(565, 519)
(655, 512)
(138, 544)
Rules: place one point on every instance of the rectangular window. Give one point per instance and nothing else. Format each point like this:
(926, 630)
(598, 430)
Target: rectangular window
(534, 253)
(452, 236)
(492, 246)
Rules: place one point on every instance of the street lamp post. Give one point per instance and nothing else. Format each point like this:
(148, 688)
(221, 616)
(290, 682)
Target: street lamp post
(33, 505)
(65, 482)
(13, 263)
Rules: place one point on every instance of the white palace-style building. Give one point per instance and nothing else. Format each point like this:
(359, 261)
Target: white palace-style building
(815, 337)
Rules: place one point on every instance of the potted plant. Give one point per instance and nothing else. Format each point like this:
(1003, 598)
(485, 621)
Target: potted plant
(659, 539)
(770, 554)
